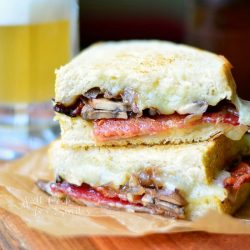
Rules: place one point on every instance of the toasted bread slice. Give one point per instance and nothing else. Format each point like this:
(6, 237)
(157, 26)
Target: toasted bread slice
(189, 164)
(164, 75)
(197, 170)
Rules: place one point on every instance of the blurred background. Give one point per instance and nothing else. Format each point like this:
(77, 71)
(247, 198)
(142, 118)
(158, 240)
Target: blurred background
(221, 26)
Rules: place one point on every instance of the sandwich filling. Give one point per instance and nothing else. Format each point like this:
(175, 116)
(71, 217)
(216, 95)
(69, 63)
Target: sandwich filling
(137, 198)
(142, 193)
(113, 129)
(239, 175)
(118, 117)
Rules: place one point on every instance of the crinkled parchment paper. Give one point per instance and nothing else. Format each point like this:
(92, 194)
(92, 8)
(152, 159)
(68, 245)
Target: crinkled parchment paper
(19, 195)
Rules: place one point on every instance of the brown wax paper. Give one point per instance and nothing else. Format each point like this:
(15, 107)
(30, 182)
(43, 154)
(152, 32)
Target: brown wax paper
(19, 195)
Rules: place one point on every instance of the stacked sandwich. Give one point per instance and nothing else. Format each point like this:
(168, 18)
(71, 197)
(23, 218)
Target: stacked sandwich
(150, 126)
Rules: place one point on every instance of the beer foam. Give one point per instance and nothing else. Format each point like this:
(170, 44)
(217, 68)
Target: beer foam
(16, 12)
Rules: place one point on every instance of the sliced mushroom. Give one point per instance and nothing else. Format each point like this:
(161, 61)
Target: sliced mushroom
(169, 206)
(59, 179)
(150, 177)
(169, 209)
(92, 93)
(151, 191)
(45, 186)
(177, 215)
(147, 198)
(88, 113)
(103, 114)
(86, 110)
(136, 190)
(174, 197)
(105, 104)
(77, 110)
(198, 107)
(145, 178)
(130, 97)
(109, 95)
(133, 181)
(152, 111)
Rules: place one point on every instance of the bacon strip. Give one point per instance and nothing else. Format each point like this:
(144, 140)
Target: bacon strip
(239, 176)
(87, 193)
(113, 129)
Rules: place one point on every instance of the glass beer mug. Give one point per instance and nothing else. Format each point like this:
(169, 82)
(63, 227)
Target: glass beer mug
(36, 37)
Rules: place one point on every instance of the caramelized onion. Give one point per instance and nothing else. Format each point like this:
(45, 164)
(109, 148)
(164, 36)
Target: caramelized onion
(192, 118)
(236, 133)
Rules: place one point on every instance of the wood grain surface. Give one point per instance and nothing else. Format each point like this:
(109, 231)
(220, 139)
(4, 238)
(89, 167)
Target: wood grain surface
(15, 234)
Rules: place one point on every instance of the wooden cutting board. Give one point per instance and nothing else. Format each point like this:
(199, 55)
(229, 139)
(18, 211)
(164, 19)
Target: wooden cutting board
(14, 234)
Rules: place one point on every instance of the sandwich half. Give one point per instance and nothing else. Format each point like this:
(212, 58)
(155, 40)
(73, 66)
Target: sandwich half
(179, 181)
(147, 92)
(150, 126)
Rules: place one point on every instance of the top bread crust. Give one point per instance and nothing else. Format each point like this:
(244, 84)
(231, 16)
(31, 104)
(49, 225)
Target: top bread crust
(165, 75)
